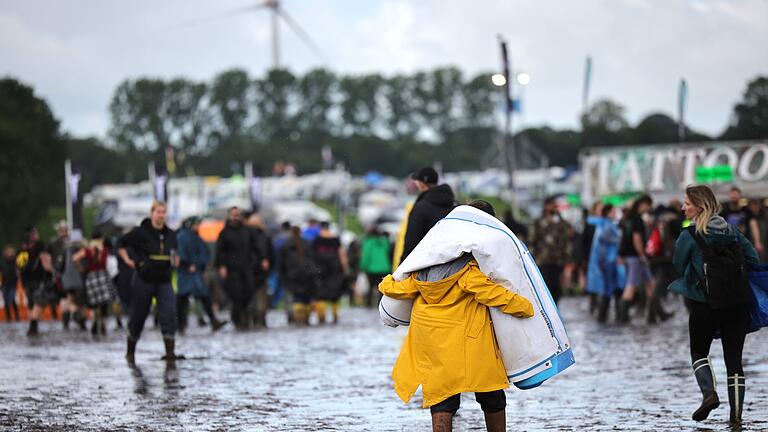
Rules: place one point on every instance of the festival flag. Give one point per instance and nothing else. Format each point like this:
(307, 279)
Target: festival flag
(74, 196)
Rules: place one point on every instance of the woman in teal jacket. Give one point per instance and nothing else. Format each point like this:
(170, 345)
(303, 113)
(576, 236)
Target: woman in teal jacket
(701, 207)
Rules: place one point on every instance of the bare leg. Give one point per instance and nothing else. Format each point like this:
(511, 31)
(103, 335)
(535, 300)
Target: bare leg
(442, 422)
(496, 422)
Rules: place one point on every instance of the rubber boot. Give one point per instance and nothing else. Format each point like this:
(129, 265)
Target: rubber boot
(65, 318)
(602, 309)
(33, 331)
(79, 318)
(736, 389)
(335, 311)
(170, 352)
(130, 352)
(702, 370)
(623, 312)
(319, 307)
(592, 303)
(300, 316)
(496, 422)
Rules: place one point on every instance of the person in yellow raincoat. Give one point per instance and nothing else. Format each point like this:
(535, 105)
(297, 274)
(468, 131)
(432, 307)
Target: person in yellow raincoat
(451, 347)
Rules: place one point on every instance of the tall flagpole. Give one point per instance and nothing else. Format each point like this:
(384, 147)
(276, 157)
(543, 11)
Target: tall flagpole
(67, 180)
(682, 96)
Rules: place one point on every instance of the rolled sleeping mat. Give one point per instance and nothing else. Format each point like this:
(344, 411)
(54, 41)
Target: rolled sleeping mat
(393, 312)
(533, 349)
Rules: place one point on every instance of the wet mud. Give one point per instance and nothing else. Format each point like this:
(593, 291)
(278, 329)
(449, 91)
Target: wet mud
(337, 378)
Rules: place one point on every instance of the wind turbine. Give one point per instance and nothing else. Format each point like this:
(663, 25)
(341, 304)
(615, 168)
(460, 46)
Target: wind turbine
(277, 13)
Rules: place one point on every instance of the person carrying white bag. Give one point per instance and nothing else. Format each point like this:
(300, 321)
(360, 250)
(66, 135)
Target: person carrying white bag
(450, 347)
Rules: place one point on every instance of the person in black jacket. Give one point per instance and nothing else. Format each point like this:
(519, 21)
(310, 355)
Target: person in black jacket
(237, 250)
(433, 203)
(150, 249)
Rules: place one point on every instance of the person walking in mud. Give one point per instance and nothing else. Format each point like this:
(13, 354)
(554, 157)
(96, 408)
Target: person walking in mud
(8, 280)
(34, 264)
(99, 289)
(443, 359)
(193, 259)
(236, 252)
(298, 275)
(713, 256)
(433, 203)
(150, 249)
(331, 260)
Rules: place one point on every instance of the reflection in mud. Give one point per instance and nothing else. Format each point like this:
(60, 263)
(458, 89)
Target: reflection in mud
(337, 378)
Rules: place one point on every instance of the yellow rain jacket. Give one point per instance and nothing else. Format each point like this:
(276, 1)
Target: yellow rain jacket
(450, 347)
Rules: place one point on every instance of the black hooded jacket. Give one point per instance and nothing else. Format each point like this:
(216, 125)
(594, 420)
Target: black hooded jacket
(431, 206)
(151, 249)
(238, 247)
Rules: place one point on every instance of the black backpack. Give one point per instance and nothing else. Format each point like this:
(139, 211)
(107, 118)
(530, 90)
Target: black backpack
(725, 280)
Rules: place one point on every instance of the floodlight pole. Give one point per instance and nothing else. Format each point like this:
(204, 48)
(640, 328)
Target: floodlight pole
(508, 141)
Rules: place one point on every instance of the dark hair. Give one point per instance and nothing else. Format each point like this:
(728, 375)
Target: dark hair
(484, 206)
(297, 243)
(735, 189)
(97, 235)
(285, 225)
(233, 208)
(606, 210)
(635, 209)
(325, 225)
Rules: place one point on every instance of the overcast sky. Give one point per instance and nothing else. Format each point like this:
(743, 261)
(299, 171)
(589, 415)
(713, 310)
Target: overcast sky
(75, 52)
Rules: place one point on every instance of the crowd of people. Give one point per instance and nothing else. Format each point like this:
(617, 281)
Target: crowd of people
(632, 256)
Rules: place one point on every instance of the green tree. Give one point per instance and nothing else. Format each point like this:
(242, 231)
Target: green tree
(604, 124)
(750, 116)
(32, 165)
(359, 105)
(276, 105)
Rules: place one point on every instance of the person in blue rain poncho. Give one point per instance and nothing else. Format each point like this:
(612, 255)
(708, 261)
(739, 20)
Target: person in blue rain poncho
(604, 274)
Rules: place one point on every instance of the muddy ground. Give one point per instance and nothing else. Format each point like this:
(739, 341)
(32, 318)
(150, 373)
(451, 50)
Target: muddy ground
(338, 378)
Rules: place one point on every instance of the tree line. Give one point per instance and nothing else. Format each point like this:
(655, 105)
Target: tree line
(390, 124)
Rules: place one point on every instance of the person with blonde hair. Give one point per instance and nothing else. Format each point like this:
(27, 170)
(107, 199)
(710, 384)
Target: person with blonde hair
(151, 250)
(712, 256)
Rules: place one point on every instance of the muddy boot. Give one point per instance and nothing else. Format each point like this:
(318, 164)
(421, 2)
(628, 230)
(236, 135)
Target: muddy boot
(335, 312)
(702, 370)
(623, 312)
(319, 307)
(300, 316)
(170, 352)
(130, 353)
(33, 331)
(736, 389)
(602, 309)
(592, 303)
(217, 325)
(496, 422)
(65, 318)
(79, 318)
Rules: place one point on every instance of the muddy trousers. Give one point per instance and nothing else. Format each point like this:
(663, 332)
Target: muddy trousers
(704, 321)
(141, 304)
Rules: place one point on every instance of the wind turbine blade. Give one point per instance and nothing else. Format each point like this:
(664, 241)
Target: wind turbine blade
(300, 33)
(226, 14)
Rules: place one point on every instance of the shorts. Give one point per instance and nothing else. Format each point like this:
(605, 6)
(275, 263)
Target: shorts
(638, 272)
(37, 293)
(490, 402)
